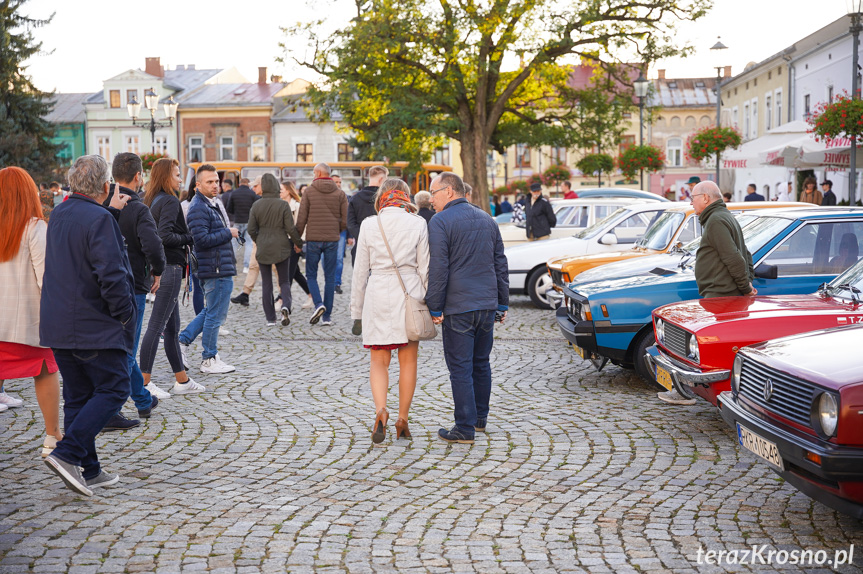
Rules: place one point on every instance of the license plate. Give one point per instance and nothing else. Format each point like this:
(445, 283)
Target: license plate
(579, 351)
(663, 377)
(762, 448)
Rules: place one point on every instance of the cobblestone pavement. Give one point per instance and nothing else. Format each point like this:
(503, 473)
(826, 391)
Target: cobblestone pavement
(273, 470)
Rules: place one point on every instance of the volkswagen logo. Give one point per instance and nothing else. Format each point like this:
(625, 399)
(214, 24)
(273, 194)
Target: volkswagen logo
(768, 390)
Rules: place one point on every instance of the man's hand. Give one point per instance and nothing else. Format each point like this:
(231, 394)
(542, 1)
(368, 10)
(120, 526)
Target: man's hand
(119, 200)
(753, 291)
(235, 232)
(298, 249)
(437, 320)
(157, 279)
(350, 241)
(503, 318)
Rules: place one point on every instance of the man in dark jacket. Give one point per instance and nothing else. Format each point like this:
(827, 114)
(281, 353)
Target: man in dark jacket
(468, 285)
(752, 193)
(147, 260)
(423, 202)
(88, 319)
(539, 216)
(239, 204)
(827, 189)
(216, 269)
(362, 204)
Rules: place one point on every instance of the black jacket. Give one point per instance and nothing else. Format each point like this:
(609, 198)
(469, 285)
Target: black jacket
(171, 226)
(361, 205)
(240, 204)
(829, 198)
(539, 217)
(426, 213)
(143, 244)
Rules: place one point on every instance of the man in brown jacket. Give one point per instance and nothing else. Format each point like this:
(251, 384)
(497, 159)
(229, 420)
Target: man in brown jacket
(323, 215)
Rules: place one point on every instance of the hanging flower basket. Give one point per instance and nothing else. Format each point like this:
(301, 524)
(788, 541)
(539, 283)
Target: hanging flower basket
(555, 174)
(596, 163)
(841, 118)
(517, 186)
(640, 157)
(710, 141)
(148, 159)
(501, 190)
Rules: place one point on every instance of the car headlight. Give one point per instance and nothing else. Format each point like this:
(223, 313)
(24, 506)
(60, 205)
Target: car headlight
(735, 374)
(692, 348)
(828, 413)
(660, 331)
(586, 315)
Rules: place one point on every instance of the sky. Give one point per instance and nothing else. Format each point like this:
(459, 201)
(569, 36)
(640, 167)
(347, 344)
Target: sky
(83, 48)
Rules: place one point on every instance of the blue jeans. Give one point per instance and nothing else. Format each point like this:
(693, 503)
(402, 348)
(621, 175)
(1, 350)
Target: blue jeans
(315, 250)
(467, 342)
(247, 248)
(95, 386)
(340, 256)
(217, 293)
(142, 397)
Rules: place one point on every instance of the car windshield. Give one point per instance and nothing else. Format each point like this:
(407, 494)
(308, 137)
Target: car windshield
(850, 283)
(660, 234)
(758, 232)
(598, 226)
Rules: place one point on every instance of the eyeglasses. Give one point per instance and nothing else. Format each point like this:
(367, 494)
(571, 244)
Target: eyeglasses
(434, 191)
(694, 195)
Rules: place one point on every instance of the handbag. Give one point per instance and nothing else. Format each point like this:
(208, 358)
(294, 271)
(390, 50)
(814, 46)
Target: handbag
(418, 321)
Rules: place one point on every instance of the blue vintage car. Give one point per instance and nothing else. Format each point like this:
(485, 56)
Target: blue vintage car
(607, 316)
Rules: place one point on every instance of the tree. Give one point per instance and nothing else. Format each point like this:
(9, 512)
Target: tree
(26, 140)
(405, 73)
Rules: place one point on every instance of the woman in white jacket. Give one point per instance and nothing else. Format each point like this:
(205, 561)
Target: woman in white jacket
(378, 300)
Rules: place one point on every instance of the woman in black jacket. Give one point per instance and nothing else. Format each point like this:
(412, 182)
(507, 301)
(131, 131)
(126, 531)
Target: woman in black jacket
(162, 191)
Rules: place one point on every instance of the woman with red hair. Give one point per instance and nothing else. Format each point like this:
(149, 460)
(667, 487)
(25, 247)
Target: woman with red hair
(22, 261)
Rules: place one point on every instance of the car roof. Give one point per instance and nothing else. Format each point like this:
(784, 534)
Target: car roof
(812, 212)
(621, 201)
(685, 206)
(618, 192)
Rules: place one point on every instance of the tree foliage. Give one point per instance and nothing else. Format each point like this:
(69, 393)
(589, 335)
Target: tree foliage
(26, 135)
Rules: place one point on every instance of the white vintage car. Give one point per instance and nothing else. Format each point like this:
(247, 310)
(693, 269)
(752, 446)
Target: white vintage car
(619, 231)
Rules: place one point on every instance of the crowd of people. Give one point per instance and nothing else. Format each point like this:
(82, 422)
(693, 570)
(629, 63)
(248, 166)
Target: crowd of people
(74, 283)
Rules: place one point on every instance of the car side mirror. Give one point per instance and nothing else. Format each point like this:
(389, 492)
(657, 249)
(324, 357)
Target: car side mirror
(766, 271)
(609, 239)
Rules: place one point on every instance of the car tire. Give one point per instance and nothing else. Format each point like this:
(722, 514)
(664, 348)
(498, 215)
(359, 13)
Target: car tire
(645, 340)
(538, 283)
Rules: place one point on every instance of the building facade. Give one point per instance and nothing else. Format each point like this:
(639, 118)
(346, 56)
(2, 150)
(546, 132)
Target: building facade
(70, 128)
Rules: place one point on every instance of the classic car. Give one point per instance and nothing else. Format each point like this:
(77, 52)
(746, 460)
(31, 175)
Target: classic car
(528, 271)
(618, 192)
(676, 227)
(796, 404)
(610, 318)
(696, 340)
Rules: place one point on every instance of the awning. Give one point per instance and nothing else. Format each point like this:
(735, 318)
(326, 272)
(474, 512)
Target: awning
(753, 153)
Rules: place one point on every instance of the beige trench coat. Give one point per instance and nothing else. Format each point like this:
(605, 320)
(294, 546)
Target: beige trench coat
(21, 287)
(376, 296)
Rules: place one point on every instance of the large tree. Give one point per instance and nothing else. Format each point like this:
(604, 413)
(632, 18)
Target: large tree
(26, 135)
(488, 73)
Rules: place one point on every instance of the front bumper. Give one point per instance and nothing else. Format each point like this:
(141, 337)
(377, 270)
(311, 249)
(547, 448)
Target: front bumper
(682, 373)
(827, 483)
(583, 334)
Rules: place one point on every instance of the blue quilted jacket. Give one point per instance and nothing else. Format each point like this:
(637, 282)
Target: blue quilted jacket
(212, 239)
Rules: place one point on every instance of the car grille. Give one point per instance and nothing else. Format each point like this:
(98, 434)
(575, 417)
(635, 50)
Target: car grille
(557, 277)
(791, 398)
(675, 339)
(573, 306)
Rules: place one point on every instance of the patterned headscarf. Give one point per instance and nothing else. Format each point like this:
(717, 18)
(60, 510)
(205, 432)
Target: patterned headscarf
(394, 193)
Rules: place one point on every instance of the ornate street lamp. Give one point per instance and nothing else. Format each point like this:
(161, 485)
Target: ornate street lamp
(855, 10)
(151, 102)
(718, 47)
(641, 85)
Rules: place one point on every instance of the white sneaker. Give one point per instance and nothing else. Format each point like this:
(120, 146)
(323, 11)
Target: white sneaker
(675, 398)
(10, 401)
(184, 349)
(286, 316)
(215, 367)
(326, 322)
(188, 387)
(3, 407)
(157, 392)
(271, 323)
(316, 316)
(222, 363)
(309, 303)
(224, 332)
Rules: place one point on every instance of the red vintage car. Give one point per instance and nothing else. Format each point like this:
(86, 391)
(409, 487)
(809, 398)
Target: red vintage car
(696, 341)
(797, 403)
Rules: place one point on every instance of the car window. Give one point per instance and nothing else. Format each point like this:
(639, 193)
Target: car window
(759, 232)
(599, 224)
(600, 212)
(562, 214)
(575, 217)
(631, 228)
(660, 233)
(818, 248)
(691, 230)
(845, 245)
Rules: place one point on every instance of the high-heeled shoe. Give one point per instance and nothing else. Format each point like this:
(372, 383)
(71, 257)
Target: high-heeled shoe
(379, 431)
(402, 430)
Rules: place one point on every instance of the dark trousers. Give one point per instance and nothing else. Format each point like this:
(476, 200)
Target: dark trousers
(197, 294)
(95, 386)
(164, 318)
(285, 270)
(298, 275)
(467, 343)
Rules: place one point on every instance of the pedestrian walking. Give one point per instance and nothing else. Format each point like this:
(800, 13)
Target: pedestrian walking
(362, 204)
(345, 239)
(238, 207)
(271, 226)
(423, 203)
(538, 214)
(22, 265)
(197, 293)
(162, 199)
(809, 193)
(828, 197)
(323, 215)
(289, 194)
(87, 317)
(216, 268)
(468, 291)
(393, 251)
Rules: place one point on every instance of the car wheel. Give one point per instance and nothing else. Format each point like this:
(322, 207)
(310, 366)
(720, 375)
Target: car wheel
(645, 340)
(539, 283)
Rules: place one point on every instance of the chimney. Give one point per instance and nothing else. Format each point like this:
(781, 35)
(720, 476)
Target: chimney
(154, 67)
(660, 74)
(274, 79)
(262, 75)
(727, 72)
(190, 66)
(181, 67)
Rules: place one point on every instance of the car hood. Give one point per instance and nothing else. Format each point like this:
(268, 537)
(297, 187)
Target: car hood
(528, 255)
(635, 267)
(645, 282)
(594, 259)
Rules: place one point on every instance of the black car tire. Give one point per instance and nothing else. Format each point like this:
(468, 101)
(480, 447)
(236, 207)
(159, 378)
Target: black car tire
(645, 340)
(537, 280)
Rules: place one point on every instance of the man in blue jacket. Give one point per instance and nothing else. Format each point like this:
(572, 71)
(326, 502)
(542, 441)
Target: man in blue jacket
(87, 317)
(216, 269)
(468, 287)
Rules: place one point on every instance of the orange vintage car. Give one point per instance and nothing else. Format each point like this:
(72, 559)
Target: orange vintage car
(677, 226)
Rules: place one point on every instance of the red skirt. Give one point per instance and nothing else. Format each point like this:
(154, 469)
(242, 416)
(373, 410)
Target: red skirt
(19, 361)
(385, 347)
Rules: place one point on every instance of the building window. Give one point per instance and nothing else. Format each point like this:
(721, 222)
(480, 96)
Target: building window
(746, 119)
(103, 145)
(226, 148)
(754, 108)
(114, 98)
(131, 95)
(160, 144)
(735, 116)
(304, 152)
(258, 144)
(522, 155)
(829, 94)
(768, 115)
(133, 144)
(778, 106)
(196, 149)
(625, 143)
(441, 155)
(558, 156)
(806, 109)
(674, 152)
(345, 152)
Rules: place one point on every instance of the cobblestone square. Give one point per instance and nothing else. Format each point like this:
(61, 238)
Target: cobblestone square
(273, 470)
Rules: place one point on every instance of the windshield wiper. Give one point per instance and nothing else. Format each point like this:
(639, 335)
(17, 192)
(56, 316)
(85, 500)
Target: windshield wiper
(852, 289)
(685, 259)
(825, 288)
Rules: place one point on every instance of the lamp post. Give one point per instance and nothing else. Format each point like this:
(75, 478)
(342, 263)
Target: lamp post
(641, 86)
(719, 46)
(151, 103)
(855, 10)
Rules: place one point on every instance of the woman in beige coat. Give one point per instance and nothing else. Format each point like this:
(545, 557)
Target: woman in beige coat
(378, 300)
